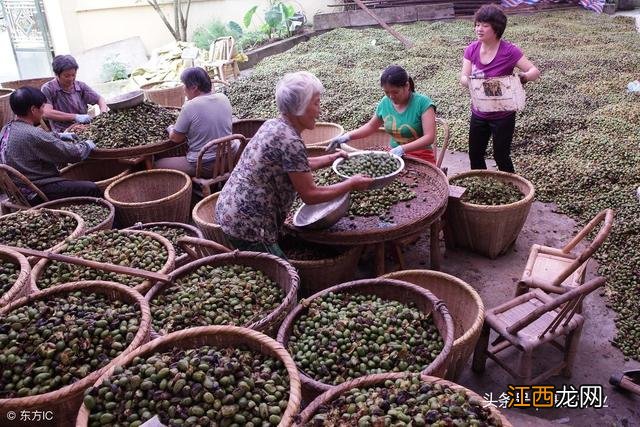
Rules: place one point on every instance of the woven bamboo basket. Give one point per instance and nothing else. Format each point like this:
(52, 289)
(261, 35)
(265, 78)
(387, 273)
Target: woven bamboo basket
(64, 402)
(488, 230)
(6, 114)
(189, 229)
(107, 224)
(277, 269)
(151, 196)
(378, 379)
(166, 97)
(36, 82)
(221, 336)
(102, 172)
(77, 232)
(319, 274)
(464, 304)
(247, 127)
(321, 134)
(387, 289)
(204, 213)
(379, 140)
(21, 287)
(39, 269)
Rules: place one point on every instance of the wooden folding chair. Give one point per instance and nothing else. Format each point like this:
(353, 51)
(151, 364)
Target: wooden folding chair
(17, 198)
(224, 162)
(529, 321)
(559, 270)
(221, 53)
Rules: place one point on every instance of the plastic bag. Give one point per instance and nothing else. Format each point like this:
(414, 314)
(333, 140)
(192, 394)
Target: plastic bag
(634, 87)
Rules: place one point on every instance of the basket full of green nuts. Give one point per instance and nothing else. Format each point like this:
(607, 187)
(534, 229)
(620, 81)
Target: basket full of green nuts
(56, 343)
(97, 213)
(249, 289)
(172, 231)
(382, 166)
(15, 272)
(130, 248)
(400, 399)
(206, 376)
(42, 229)
(491, 213)
(367, 327)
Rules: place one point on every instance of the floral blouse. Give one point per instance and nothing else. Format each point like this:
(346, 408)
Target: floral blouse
(256, 199)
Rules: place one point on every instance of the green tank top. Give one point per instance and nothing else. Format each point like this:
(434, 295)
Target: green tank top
(404, 127)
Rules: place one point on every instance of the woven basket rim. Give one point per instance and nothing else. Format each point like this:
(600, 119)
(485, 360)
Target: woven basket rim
(233, 258)
(324, 125)
(246, 334)
(184, 188)
(40, 266)
(501, 176)
(84, 200)
(374, 380)
(461, 284)
(23, 276)
(287, 323)
(77, 232)
(194, 212)
(80, 385)
(195, 230)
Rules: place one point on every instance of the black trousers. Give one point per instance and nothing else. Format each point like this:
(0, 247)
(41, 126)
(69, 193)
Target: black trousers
(480, 130)
(69, 188)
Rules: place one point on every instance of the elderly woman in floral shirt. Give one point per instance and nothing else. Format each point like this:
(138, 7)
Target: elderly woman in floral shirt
(274, 167)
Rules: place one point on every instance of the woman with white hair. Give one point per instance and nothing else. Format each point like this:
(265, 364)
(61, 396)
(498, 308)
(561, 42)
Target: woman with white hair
(274, 167)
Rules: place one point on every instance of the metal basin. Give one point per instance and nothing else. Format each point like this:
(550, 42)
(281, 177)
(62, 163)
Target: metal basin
(321, 215)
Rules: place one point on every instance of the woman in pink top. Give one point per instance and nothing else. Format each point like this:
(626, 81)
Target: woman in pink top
(490, 56)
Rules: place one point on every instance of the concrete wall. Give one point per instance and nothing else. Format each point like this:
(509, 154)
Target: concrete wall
(79, 25)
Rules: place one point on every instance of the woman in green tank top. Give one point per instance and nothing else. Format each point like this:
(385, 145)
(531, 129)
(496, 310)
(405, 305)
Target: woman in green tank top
(408, 117)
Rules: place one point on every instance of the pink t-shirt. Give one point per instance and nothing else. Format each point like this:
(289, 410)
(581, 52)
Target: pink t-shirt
(503, 64)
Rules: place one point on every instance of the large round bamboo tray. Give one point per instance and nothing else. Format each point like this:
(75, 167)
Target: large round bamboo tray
(151, 196)
(39, 269)
(77, 232)
(220, 336)
(64, 402)
(138, 151)
(411, 217)
(21, 287)
(277, 269)
(464, 304)
(378, 379)
(489, 230)
(166, 97)
(102, 172)
(321, 134)
(387, 289)
(204, 214)
(379, 140)
(319, 274)
(36, 82)
(189, 229)
(107, 224)
(247, 127)
(6, 113)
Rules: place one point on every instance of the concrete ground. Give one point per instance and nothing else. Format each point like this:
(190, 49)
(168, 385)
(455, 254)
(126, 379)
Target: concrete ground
(495, 281)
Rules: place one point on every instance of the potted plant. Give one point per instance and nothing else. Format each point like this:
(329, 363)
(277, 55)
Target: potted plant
(609, 7)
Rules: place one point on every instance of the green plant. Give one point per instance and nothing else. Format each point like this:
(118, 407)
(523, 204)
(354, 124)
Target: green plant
(114, 69)
(277, 20)
(205, 35)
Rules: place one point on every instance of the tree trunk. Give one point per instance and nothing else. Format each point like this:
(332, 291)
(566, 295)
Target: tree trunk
(180, 20)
